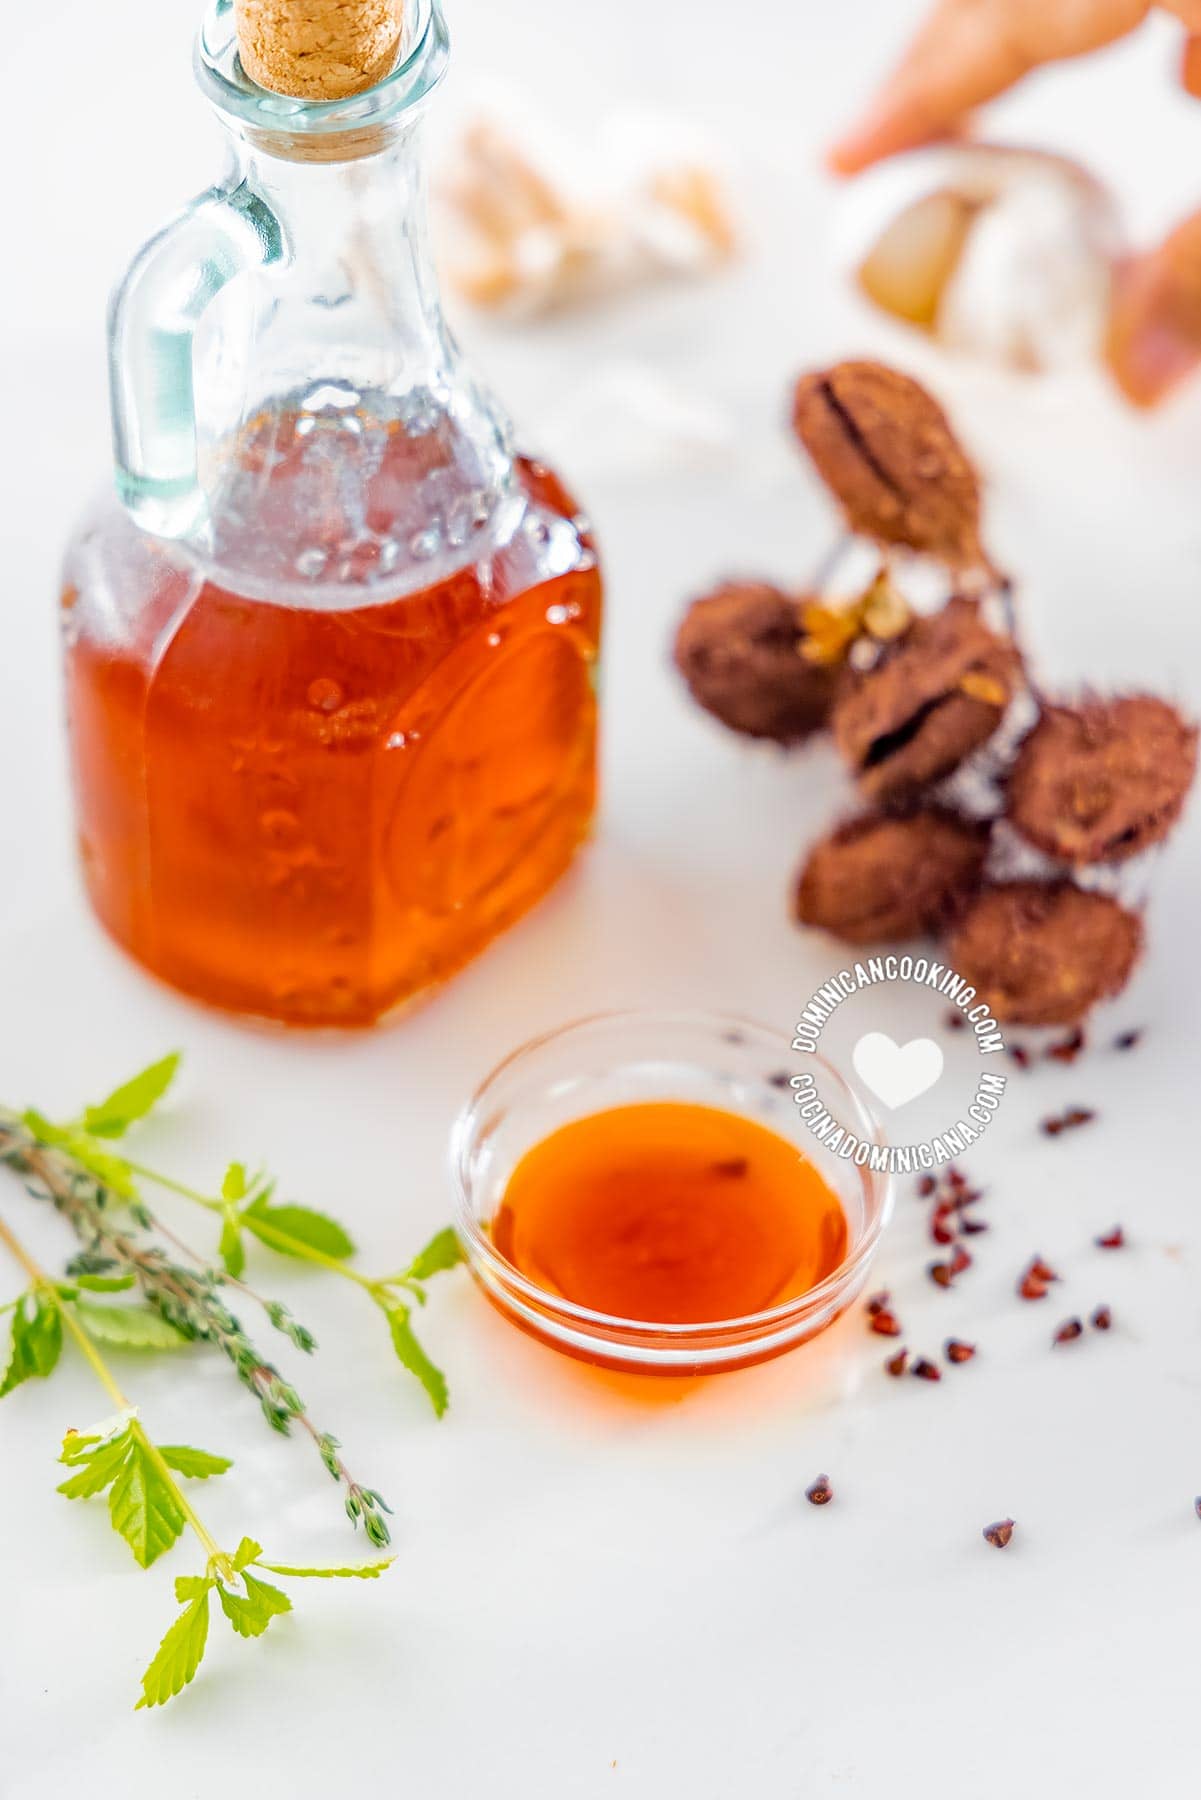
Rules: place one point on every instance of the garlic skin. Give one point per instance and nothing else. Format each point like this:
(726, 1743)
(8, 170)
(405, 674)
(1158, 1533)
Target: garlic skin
(533, 225)
(1005, 254)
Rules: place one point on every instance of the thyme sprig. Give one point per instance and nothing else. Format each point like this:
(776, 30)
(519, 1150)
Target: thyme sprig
(246, 1206)
(186, 1299)
(147, 1505)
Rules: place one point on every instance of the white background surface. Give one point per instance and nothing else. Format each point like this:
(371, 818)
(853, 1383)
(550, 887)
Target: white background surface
(604, 1590)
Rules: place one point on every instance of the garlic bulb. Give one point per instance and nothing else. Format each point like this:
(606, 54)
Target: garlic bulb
(1004, 253)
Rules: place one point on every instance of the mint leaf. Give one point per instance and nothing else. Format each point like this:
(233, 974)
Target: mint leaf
(197, 1465)
(306, 1230)
(442, 1252)
(104, 1284)
(113, 1116)
(111, 1171)
(191, 1587)
(178, 1656)
(98, 1465)
(132, 1327)
(144, 1508)
(247, 1552)
(233, 1252)
(361, 1571)
(415, 1360)
(252, 1612)
(37, 1341)
(233, 1183)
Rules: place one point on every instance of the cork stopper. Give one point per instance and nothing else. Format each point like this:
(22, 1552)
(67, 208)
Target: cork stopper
(318, 49)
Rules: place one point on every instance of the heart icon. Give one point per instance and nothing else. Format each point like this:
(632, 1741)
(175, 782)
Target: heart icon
(897, 1073)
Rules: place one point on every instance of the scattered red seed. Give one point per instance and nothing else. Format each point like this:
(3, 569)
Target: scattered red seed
(1032, 1286)
(955, 1021)
(1043, 1270)
(972, 1226)
(1126, 1040)
(819, 1492)
(1068, 1121)
(896, 1364)
(926, 1187)
(956, 1178)
(999, 1534)
(1020, 1055)
(886, 1324)
(1111, 1240)
(878, 1303)
(960, 1260)
(1067, 1049)
(959, 1352)
(941, 1232)
(1102, 1319)
(925, 1370)
(942, 1273)
(1068, 1332)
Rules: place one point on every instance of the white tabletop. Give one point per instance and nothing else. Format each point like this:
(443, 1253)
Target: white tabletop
(604, 1590)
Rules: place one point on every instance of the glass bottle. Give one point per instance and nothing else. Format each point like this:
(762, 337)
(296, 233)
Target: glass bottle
(330, 660)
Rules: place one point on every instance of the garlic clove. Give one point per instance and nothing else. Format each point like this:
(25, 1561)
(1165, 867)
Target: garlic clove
(1004, 253)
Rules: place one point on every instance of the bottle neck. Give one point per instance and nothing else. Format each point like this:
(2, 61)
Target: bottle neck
(356, 294)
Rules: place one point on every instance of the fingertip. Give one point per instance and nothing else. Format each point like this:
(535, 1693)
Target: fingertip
(1190, 67)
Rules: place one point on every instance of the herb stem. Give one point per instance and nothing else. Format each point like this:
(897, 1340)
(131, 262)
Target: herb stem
(282, 1241)
(46, 1287)
(42, 1282)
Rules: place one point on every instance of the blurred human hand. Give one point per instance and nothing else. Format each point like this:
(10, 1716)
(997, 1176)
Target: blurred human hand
(969, 51)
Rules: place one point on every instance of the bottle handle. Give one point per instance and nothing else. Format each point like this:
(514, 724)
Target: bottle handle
(153, 318)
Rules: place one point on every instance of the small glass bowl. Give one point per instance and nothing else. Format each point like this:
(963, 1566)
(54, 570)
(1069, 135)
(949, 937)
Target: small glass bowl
(619, 1059)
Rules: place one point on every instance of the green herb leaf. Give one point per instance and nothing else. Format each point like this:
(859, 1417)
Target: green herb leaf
(178, 1656)
(111, 1171)
(308, 1230)
(252, 1612)
(191, 1587)
(247, 1552)
(113, 1116)
(144, 1508)
(442, 1252)
(105, 1284)
(197, 1465)
(415, 1360)
(132, 1327)
(37, 1341)
(233, 1253)
(233, 1182)
(98, 1464)
(361, 1571)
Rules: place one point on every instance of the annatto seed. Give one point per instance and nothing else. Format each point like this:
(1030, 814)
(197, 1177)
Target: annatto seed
(959, 1352)
(1111, 1240)
(925, 1370)
(1102, 1319)
(1032, 1286)
(896, 1364)
(960, 1260)
(886, 1324)
(879, 1302)
(999, 1533)
(941, 1273)
(819, 1492)
(1068, 1332)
